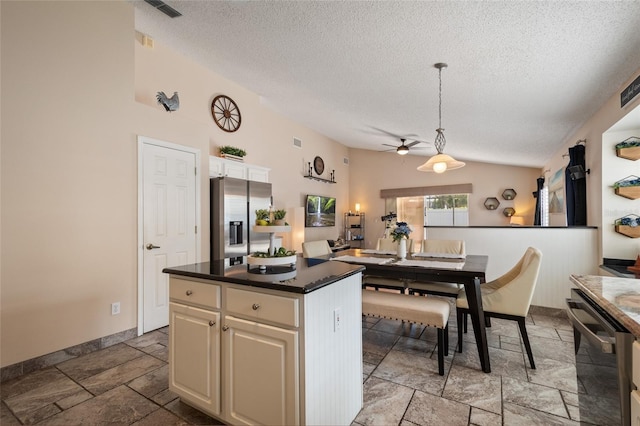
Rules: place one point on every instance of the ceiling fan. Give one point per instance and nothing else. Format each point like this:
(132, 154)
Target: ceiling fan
(403, 149)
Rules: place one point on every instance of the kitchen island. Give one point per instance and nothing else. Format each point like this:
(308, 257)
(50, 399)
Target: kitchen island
(620, 297)
(277, 345)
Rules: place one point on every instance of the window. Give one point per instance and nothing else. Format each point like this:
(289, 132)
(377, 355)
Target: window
(432, 210)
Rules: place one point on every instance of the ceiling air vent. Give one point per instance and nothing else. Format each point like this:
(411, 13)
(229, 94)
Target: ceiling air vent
(164, 8)
(297, 142)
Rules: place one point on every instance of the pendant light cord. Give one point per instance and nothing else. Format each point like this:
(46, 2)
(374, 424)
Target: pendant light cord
(440, 100)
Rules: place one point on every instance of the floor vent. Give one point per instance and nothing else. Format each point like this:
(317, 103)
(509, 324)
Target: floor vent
(164, 8)
(297, 142)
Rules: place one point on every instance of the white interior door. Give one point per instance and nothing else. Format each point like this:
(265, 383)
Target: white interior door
(169, 181)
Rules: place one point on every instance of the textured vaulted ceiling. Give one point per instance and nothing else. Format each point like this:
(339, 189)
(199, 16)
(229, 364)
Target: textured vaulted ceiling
(522, 76)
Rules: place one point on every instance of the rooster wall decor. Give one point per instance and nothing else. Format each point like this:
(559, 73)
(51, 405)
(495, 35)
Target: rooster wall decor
(170, 104)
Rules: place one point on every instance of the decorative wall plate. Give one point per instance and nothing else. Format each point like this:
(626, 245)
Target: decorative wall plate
(318, 165)
(225, 113)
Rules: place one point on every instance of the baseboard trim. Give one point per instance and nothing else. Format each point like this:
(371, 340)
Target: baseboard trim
(18, 369)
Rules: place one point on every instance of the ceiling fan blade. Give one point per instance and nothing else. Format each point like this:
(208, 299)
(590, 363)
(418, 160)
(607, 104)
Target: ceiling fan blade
(388, 133)
(386, 144)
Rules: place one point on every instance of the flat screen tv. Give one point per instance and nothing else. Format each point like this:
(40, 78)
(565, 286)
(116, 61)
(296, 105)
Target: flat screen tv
(320, 211)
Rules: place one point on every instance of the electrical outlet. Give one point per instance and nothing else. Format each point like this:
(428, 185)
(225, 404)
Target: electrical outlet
(337, 319)
(115, 308)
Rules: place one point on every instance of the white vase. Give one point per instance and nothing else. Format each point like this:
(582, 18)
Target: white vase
(402, 248)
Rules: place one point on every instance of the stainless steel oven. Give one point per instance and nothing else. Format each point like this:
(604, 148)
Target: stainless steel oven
(603, 362)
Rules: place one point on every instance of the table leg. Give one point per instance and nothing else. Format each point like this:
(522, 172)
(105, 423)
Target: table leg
(474, 299)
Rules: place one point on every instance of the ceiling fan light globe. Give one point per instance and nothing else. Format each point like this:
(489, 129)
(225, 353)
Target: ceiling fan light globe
(440, 167)
(402, 150)
(440, 163)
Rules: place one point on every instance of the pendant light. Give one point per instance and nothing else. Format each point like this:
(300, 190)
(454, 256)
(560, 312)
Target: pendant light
(441, 162)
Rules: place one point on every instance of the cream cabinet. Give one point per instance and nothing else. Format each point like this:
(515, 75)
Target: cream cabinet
(248, 355)
(194, 355)
(219, 167)
(261, 377)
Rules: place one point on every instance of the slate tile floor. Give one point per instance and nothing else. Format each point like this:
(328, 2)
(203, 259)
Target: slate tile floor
(127, 383)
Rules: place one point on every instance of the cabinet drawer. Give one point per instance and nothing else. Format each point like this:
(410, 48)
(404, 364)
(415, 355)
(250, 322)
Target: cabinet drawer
(263, 306)
(195, 293)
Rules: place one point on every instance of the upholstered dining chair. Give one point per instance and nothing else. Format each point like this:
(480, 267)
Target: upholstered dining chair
(387, 244)
(372, 281)
(507, 297)
(439, 289)
(315, 248)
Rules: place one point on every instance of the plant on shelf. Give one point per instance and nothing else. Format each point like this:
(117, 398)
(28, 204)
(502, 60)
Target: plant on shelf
(628, 187)
(629, 148)
(278, 216)
(402, 230)
(262, 217)
(232, 151)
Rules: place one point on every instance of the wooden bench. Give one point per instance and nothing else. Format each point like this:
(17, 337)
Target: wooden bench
(429, 311)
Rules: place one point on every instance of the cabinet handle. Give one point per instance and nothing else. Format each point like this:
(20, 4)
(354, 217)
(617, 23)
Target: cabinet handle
(212, 323)
(225, 327)
(255, 306)
(189, 292)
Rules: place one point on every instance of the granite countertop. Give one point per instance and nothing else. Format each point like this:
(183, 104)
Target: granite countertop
(305, 276)
(620, 297)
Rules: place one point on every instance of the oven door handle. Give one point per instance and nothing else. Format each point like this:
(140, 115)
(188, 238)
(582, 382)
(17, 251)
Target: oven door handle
(606, 346)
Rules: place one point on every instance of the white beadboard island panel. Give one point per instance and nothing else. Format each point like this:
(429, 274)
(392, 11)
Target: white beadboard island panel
(333, 392)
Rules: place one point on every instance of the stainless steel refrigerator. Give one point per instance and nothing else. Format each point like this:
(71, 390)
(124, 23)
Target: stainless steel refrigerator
(233, 205)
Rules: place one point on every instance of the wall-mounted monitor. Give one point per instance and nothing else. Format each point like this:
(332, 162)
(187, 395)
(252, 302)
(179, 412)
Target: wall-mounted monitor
(320, 211)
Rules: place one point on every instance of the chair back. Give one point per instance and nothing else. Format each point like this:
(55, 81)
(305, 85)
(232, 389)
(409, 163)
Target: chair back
(443, 246)
(387, 244)
(515, 288)
(315, 248)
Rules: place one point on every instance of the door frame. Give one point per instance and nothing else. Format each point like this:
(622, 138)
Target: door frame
(142, 141)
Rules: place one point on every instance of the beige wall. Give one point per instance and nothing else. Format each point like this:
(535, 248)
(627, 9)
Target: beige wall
(68, 175)
(77, 88)
(372, 171)
(603, 206)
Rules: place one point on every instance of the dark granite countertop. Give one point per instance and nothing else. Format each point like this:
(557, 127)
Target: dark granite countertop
(618, 267)
(620, 297)
(306, 276)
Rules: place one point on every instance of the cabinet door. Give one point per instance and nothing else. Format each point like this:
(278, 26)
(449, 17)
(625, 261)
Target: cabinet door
(235, 169)
(259, 174)
(194, 356)
(261, 373)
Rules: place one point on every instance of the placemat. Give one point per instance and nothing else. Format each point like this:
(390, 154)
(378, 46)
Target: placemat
(441, 255)
(374, 260)
(371, 251)
(430, 264)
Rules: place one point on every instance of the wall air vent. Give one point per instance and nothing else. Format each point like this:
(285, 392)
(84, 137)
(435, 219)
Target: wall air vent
(164, 8)
(297, 142)
(345, 160)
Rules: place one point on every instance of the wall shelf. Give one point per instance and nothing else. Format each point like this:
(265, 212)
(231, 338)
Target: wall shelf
(629, 149)
(629, 226)
(491, 203)
(509, 194)
(320, 179)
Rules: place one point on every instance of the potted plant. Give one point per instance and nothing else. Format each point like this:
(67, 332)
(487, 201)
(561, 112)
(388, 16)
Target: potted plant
(629, 148)
(232, 153)
(278, 217)
(628, 187)
(628, 225)
(262, 217)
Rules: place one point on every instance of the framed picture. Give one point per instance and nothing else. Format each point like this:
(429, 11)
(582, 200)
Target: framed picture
(556, 192)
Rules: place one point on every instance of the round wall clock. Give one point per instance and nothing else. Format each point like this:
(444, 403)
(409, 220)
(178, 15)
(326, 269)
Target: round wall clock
(318, 165)
(225, 113)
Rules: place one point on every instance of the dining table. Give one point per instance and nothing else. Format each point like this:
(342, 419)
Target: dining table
(468, 270)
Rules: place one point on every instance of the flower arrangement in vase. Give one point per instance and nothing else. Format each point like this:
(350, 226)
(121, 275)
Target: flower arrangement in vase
(401, 231)
(400, 234)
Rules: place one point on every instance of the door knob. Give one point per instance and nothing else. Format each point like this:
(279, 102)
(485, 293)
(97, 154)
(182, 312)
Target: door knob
(151, 246)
